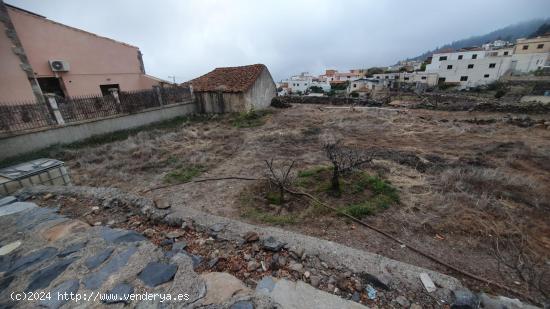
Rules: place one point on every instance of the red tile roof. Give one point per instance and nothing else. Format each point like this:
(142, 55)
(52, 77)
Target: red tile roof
(230, 79)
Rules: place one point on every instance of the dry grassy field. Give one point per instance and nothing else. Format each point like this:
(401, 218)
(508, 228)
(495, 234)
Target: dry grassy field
(474, 193)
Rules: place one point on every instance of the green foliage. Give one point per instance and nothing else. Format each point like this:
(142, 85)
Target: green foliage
(312, 171)
(274, 198)
(316, 89)
(497, 85)
(249, 119)
(339, 86)
(500, 93)
(423, 67)
(384, 195)
(445, 86)
(184, 174)
(360, 210)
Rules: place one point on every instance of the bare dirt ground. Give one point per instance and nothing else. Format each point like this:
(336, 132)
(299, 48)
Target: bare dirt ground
(475, 194)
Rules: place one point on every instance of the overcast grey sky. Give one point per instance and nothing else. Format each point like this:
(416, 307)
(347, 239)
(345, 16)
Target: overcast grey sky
(188, 38)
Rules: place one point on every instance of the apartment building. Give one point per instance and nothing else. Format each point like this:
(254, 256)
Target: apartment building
(477, 66)
(43, 56)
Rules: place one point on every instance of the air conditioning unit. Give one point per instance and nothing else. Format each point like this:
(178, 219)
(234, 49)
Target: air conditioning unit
(59, 65)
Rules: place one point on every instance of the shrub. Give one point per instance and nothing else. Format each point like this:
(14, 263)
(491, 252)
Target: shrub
(249, 119)
(184, 174)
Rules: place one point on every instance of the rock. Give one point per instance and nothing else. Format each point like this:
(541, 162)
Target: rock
(252, 265)
(235, 267)
(175, 234)
(374, 281)
(464, 299)
(116, 236)
(251, 236)
(221, 287)
(358, 285)
(356, 297)
(173, 220)
(342, 283)
(95, 210)
(281, 261)
(15, 208)
(297, 267)
(42, 278)
(69, 286)
(218, 227)
(95, 280)
(297, 253)
(35, 257)
(72, 248)
(156, 273)
(242, 304)
(271, 244)
(120, 293)
(415, 306)
(325, 265)
(47, 196)
(402, 301)
(264, 267)
(98, 223)
(166, 242)
(307, 274)
(97, 259)
(315, 281)
(213, 262)
(196, 260)
(179, 246)
(427, 282)
(162, 203)
(7, 200)
(7, 249)
(298, 294)
(500, 302)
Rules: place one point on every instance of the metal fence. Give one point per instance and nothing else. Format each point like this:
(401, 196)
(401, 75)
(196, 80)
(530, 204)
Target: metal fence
(21, 116)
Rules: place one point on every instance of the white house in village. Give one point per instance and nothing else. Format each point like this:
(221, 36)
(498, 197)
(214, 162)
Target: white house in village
(427, 78)
(478, 66)
(364, 86)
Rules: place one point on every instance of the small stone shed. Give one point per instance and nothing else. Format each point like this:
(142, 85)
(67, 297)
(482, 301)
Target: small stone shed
(234, 89)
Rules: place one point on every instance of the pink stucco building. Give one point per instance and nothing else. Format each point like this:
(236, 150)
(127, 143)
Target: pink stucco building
(88, 64)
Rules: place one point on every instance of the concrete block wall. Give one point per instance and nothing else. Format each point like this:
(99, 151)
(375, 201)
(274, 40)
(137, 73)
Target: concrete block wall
(31, 141)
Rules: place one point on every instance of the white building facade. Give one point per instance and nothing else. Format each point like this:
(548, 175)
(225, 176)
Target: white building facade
(475, 67)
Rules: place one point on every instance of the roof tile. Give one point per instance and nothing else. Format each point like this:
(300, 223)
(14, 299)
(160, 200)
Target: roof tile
(229, 79)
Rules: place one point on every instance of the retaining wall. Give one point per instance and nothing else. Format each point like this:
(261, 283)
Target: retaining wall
(31, 141)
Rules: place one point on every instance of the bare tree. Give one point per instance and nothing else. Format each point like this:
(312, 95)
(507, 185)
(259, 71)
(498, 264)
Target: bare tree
(279, 177)
(514, 252)
(344, 160)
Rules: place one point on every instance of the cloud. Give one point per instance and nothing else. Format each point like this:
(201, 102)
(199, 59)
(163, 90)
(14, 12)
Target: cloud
(190, 38)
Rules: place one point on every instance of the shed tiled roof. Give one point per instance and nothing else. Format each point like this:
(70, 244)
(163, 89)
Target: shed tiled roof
(230, 79)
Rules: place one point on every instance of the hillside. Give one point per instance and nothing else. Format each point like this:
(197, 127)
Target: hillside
(509, 33)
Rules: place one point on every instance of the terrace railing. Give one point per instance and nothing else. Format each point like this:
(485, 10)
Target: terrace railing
(55, 111)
